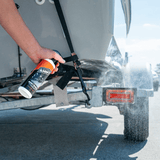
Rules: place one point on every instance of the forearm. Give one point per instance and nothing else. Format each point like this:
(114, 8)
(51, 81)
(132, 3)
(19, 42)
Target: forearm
(12, 22)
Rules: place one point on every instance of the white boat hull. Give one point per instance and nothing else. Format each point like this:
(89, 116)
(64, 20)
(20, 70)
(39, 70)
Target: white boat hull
(90, 25)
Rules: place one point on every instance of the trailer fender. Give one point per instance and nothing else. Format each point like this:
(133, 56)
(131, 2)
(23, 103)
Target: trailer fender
(138, 75)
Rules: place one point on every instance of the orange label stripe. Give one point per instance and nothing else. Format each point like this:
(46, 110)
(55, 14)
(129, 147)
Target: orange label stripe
(45, 64)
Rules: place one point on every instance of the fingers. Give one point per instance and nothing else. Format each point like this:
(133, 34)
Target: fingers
(55, 70)
(57, 65)
(57, 57)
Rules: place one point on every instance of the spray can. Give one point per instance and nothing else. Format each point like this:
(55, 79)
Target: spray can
(36, 78)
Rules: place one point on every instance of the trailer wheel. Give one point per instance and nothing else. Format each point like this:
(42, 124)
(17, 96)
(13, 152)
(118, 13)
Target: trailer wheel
(136, 120)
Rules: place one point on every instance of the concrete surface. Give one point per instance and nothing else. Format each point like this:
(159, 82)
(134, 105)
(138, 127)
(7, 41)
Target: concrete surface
(75, 133)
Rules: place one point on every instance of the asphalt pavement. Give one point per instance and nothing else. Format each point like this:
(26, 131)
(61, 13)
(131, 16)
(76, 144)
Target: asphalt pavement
(75, 133)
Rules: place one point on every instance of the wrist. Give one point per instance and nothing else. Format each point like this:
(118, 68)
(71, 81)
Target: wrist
(33, 52)
(32, 49)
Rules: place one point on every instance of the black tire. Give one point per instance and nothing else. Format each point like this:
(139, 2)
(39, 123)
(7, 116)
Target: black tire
(136, 120)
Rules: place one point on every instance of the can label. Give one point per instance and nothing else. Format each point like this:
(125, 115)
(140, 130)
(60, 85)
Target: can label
(35, 80)
(44, 63)
(38, 76)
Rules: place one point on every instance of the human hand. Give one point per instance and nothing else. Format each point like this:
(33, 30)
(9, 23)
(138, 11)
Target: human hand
(44, 53)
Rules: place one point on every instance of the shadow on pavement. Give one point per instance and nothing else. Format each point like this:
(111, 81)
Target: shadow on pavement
(60, 135)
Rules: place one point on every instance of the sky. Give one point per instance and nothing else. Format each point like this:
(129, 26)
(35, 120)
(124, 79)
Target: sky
(143, 40)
